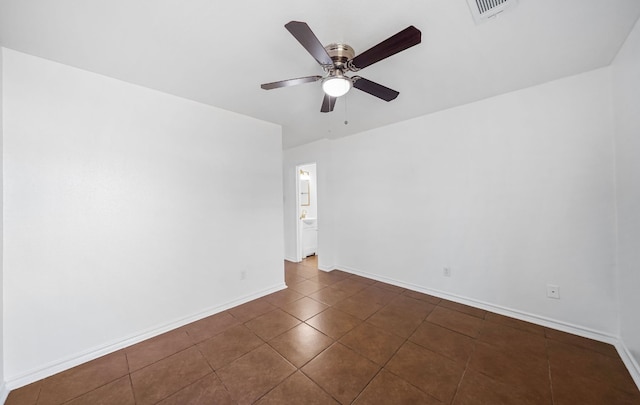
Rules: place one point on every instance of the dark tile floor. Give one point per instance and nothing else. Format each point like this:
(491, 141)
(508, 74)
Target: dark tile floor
(340, 338)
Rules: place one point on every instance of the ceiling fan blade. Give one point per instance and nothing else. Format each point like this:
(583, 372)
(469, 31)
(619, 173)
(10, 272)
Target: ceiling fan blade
(374, 88)
(309, 41)
(404, 39)
(290, 82)
(328, 103)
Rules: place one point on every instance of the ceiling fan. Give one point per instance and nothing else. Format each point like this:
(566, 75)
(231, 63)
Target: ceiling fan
(338, 59)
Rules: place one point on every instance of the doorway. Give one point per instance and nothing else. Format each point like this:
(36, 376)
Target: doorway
(307, 211)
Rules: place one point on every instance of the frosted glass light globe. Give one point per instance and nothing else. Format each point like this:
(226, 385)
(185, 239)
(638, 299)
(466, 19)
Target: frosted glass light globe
(336, 86)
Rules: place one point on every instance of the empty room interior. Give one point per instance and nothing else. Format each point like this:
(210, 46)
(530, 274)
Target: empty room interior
(428, 202)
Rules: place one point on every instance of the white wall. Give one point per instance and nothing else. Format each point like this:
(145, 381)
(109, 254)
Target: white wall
(126, 211)
(3, 391)
(511, 193)
(626, 98)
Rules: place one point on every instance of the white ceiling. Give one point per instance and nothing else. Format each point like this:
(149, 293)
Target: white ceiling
(219, 52)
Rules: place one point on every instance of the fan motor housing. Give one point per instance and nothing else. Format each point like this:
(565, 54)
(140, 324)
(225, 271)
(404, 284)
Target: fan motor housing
(340, 54)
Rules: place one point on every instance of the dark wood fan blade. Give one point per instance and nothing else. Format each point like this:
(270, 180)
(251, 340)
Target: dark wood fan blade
(404, 39)
(374, 88)
(309, 41)
(290, 82)
(328, 103)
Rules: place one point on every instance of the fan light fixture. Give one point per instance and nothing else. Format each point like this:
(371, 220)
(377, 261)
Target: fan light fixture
(336, 86)
(339, 58)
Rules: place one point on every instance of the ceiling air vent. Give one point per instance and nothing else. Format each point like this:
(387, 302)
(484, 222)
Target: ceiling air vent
(482, 10)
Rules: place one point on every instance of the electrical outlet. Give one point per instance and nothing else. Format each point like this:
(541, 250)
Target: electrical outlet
(243, 274)
(553, 291)
(446, 271)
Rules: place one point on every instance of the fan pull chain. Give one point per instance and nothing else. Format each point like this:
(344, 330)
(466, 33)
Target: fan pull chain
(345, 111)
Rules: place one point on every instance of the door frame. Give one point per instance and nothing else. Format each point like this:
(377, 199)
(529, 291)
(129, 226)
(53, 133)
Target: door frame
(298, 210)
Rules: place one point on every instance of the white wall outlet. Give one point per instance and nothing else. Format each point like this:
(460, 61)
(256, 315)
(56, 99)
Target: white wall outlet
(446, 271)
(243, 274)
(553, 291)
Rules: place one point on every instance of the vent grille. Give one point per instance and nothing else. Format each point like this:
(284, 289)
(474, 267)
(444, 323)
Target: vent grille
(486, 5)
(482, 10)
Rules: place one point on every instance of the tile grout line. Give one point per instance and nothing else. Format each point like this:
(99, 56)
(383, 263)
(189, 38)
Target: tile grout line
(466, 367)
(546, 347)
(90, 391)
(40, 391)
(280, 382)
(133, 392)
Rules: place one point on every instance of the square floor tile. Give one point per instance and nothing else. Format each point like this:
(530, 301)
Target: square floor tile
(358, 307)
(222, 349)
(329, 278)
(288, 265)
(334, 323)
(292, 278)
(210, 326)
(570, 389)
(416, 307)
(83, 378)
(27, 395)
(350, 285)
(423, 297)
(397, 321)
(305, 308)
(390, 287)
(283, 297)
(301, 344)
(387, 388)
(570, 360)
(376, 295)
(165, 377)
(306, 287)
(117, 392)
(320, 280)
(251, 309)
(254, 374)
(516, 368)
(465, 309)
(457, 321)
(514, 323)
(478, 389)
(207, 390)
(511, 339)
(341, 372)
(600, 347)
(151, 350)
(330, 295)
(307, 272)
(448, 343)
(374, 343)
(272, 324)
(297, 389)
(361, 279)
(427, 370)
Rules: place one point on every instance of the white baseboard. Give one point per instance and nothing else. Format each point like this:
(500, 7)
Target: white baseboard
(290, 259)
(326, 268)
(55, 367)
(4, 393)
(629, 361)
(513, 313)
(626, 356)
